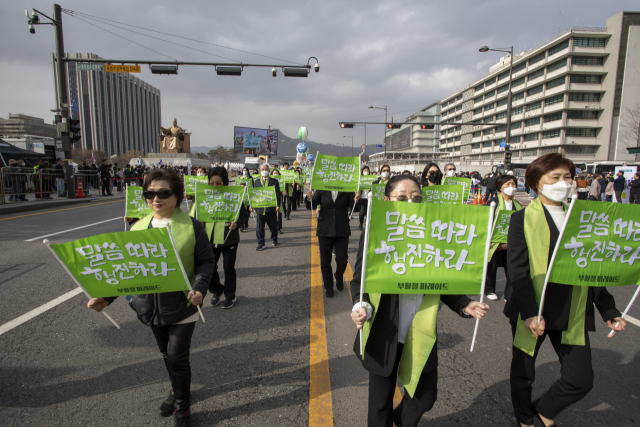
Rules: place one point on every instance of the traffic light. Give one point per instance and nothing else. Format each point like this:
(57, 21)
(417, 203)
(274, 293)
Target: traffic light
(393, 126)
(346, 125)
(74, 131)
(507, 158)
(426, 126)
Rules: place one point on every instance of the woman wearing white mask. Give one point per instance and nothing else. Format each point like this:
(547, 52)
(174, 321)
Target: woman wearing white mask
(568, 312)
(506, 186)
(385, 174)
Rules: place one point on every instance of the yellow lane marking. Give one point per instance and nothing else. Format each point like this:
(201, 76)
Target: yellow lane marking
(60, 210)
(320, 407)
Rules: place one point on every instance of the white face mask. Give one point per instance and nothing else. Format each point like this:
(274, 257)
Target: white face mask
(200, 174)
(509, 191)
(557, 192)
(264, 173)
(385, 174)
(245, 173)
(451, 173)
(365, 173)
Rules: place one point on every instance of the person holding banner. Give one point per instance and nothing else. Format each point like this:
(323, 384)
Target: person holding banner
(172, 315)
(385, 173)
(393, 331)
(287, 194)
(431, 175)
(276, 172)
(364, 199)
(267, 215)
(247, 175)
(568, 311)
(506, 186)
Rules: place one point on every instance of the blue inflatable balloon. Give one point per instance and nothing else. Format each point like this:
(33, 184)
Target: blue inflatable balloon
(311, 157)
(302, 148)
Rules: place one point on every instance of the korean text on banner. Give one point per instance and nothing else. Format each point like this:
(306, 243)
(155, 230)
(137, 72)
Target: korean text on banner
(240, 180)
(137, 206)
(465, 182)
(336, 173)
(280, 180)
(263, 197)
(501, 226)
(218, 204)
(190, 183)
(377, 191)
(443, 194)
(289, 177)
(419, 249)
(600, 246)
(126, 263)
(366, 181)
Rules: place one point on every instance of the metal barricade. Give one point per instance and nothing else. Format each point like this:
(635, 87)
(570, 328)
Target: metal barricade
(18, 184)
(90, 182)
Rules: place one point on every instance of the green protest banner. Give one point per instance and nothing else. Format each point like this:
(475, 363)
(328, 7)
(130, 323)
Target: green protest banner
(335, 173)
(218, 204)
(262, 197)
(415, 248)
(307, 177)
(443, 194)
(256, 177)
(288, 175)
(501, 226)
(245, 198)
(280, 180)
(378, 191)
(241, 180)
(190, 183)
(136, 205)
(126, 263)
(300, 179)
(366, 181)
(600, 246)
(465, 182)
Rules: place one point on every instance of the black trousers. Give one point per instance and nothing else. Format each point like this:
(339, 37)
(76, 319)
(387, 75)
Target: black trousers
(105, 187)
(174, 342)
(576, 378)
(266, 219)
(295, 199)
(491, 192)
(411, 409)
(279, 221)
(362, 215)
(286, 205)
(582, 195)
(229, 254)
(326, 246)
(499, 259)
(634, 199)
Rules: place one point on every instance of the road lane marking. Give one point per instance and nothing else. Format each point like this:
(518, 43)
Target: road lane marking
(38, 311)
(59, 210)
(632, 320)
(320, 407)
(73, 229)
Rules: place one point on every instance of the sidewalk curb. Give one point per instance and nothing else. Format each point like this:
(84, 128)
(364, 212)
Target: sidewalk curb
(28, 207)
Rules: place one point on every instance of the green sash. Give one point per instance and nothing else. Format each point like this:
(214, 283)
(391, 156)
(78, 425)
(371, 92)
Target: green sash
(419, 342)
(192, 208)
(502, 205)
(184, 237)
(536, 233)
(217, 230)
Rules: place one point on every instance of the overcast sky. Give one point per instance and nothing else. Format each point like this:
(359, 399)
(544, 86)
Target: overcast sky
(402, 54)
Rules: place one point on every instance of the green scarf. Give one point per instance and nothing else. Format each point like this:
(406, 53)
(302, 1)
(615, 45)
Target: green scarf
(502, 205)
(217, 230)
(537, 235)
(419, 342)
(184, 237)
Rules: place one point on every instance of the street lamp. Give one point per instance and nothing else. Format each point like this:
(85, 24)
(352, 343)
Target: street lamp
(507, 138)
(385, 128)
(351, 143)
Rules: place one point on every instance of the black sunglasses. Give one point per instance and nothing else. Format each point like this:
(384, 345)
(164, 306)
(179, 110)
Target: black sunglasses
(434, 173)
(162, 194)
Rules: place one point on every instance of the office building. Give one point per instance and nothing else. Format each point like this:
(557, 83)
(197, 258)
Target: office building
(118, 112)
(570, 96)
(19, 125)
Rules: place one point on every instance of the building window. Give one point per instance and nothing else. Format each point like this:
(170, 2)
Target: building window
(582, 115)
(479, 87)
(537, 58)
(519, 67)
(478, 99)
(515, 111)
(534, 90)
(475, 146)
(476, 134)
(585, 78)
(459, 118)
(458, 138)
(516, 125)
(487, 132)
(450, 140)
(488, 119)
(502, 115)
(554, 100)
(555, 82)
(532, 122)
(557, 65)
(457, 148)
(502, 102)
(445, 114)
(459, 107)
(559, 47)
(503, 75)
(553, 117)
(517, 96)
(490, 81)
(581, 132)
(588, 42)
(501, 129)
(587, 60)
(444, 104)
(477, 111)
(584, 97)
(459, 98)
(489, 106)
(486, 144)
(515, 139)
(450, 150)
(489, 94)
(551, 134)
(443, 141)
(534, 106)
(457, 128)
(536, 74)
(517, 82)
(531, 136)
(503, 88)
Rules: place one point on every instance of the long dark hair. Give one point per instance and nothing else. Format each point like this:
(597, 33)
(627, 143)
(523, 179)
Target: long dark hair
(424, 181)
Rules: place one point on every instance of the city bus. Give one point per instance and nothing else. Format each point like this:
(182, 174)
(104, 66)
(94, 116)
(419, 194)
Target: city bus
(607, 167)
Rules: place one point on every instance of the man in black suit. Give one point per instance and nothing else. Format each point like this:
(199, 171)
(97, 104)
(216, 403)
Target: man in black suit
(286, 195)
(491, 185)
(105, 178)
(267, 215)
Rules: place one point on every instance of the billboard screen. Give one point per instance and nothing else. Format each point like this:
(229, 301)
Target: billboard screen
(255, 141)
(399, 140)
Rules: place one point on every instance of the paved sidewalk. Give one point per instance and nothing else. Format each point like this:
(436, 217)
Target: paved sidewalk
(11, 207)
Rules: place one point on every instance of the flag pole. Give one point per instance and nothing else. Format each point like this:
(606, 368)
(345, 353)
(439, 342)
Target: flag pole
(487, 248)
(237, 215)
(46, 242)
(315, 162)
(364, 262)
(626, 310)
(555, 252)
(126, 203)
(358, 189)
(184, 273)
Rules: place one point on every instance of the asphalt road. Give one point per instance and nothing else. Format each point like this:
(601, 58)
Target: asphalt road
(70, 367)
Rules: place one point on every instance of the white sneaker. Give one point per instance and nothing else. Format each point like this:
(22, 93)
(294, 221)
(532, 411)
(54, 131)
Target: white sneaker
(493, 297)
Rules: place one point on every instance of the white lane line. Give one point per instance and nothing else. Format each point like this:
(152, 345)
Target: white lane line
(632, 320)
(72, 229)
(38, 311)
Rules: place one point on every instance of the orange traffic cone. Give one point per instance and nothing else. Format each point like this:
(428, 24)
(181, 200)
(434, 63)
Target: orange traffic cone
(80, 194)
(481, 200)
(475, 199)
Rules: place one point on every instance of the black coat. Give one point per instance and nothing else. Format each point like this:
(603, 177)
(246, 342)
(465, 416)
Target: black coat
(618, 183)
(557, 300)
(233, 236)
(382, 345)
(271, 183)
(333, 216)
(635, 187)
(491, 182)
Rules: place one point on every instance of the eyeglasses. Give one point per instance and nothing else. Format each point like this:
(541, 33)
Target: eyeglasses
(433, 173)
(162, 194)
(414, 199)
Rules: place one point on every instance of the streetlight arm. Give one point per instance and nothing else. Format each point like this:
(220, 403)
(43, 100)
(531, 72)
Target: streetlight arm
(53, 21)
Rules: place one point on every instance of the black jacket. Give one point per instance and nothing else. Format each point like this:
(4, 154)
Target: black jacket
(557, 300)
(618, 183)
(491, 182)
(333, 216)
(257, 183)
(382, 345)
(635, 187)
(104, 172)
(171, 307)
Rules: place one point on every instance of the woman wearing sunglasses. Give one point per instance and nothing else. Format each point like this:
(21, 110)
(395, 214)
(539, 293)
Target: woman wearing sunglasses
(172, 315)
(384, 350)
(431, 175)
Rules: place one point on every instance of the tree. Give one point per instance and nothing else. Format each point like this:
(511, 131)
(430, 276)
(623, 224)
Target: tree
(80, 155)
(222, 155)
(201, 156)
(630, 128)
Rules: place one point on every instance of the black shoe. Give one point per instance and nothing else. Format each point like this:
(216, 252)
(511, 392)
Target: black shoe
(329, 293)
(259, 248)
(280, 231)
(167, 408)
(360, 227)
(275, 244)
(340, 284)
(228, 303)
(181, 417)
(287, 218)
(215, 299)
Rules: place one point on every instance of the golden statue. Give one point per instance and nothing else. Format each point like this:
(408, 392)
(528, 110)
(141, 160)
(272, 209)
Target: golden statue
(175, 139)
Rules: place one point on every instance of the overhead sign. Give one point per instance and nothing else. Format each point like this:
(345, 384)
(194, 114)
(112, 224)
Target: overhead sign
(122, 68)
(82, 66)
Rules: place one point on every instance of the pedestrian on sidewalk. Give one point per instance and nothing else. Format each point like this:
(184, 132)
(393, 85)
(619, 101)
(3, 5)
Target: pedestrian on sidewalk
(105, 178)
(594, 188)
(618, 186)
(634, 189)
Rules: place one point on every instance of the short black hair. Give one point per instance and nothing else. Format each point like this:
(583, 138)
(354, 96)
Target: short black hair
(104, 160)
(174, 180)
(285, 163)
(395, 180)
(385, 166)
(503, 179)
(221, 172)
